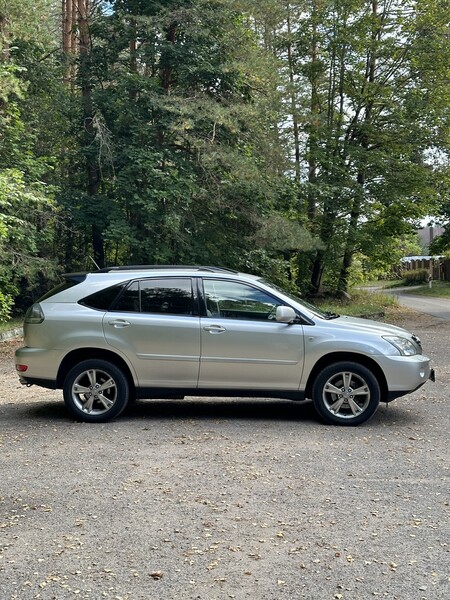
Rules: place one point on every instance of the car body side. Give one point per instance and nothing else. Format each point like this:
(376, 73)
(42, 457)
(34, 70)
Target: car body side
(320, 342)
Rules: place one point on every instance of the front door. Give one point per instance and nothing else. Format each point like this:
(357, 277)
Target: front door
(243, 346)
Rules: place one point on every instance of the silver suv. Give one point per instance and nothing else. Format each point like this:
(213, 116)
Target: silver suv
(163, 332)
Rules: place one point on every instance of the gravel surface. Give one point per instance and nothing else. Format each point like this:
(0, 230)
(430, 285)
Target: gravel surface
(215, 499)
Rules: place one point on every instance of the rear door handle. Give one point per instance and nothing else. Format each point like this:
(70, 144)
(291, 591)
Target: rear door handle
(119, 323)
(214, 328)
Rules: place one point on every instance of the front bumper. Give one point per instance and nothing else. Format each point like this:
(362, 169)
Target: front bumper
(405, 374)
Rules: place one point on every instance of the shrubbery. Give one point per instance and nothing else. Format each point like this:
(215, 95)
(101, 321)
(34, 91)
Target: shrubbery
(5, 307)
(416, 277)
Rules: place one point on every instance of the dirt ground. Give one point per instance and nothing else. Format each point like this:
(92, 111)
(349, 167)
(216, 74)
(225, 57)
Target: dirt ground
(226, 498)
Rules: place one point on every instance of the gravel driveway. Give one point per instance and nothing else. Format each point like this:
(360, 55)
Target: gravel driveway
(213, 499)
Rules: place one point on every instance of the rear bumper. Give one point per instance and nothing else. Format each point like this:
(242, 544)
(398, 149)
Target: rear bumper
(50, 384)
(41, 363)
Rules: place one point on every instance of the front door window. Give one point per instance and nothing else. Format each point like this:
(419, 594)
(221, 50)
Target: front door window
(230, 300)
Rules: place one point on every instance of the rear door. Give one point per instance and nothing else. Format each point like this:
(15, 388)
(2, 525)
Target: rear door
(243, 346)
(155, 323)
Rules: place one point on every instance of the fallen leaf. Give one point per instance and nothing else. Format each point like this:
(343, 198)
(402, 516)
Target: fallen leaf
(156, 575)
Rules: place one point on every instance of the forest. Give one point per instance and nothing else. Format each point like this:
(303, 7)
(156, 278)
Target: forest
(305, 140)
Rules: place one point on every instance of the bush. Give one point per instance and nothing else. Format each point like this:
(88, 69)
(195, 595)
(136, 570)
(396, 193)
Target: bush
(5, 307)
(416, 277)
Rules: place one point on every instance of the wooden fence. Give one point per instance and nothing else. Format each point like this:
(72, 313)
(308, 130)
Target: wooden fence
(438, 267)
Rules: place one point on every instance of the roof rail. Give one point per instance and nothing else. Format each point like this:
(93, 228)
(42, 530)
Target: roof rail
(164, 267)
(142, 268)
(218, 269)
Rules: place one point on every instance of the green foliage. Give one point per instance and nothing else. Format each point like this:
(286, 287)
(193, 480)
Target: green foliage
(438, 289)
(26, 229)
(441, 244)
(28, 216)
(177, 126)
(415, 276)
(376, 261)
(367, 104)
(361, 304)
(5, 307)
(301, 141)
(276, 270)
(10, 84)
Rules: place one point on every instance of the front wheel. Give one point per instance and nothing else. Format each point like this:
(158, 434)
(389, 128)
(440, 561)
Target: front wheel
(346, 393)
(96, 391)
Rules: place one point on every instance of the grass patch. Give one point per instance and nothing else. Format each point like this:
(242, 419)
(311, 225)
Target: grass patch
(362, 304)
(384, 284)
(439, 289)
(11, 324)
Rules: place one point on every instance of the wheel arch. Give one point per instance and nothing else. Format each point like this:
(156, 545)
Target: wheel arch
(335, 357)
(80, 354)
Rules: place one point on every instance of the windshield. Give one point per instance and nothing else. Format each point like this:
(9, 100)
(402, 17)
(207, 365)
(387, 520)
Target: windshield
(313, 309)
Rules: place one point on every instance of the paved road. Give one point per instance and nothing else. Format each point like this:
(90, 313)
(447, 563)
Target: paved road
(437, 307)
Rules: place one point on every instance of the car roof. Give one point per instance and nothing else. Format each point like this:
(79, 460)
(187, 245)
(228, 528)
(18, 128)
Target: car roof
(93, 281)
(118, 274)
(167, 268)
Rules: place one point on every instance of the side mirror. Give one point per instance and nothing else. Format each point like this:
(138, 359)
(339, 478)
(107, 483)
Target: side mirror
(285, 314)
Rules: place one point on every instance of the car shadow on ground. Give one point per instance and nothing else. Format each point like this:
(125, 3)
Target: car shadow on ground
(213, 409)
(189, 408)
(219, 408)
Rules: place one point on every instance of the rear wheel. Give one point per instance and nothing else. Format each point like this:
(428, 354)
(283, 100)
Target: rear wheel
(346, 393)
(96, 391)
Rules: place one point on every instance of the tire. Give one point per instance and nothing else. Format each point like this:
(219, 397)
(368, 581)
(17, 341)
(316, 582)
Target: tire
(96, 391)
(346, 393)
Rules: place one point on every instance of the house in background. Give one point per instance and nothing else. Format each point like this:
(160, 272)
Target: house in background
(427, 235)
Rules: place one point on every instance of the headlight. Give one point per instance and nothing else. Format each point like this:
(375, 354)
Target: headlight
(403, 345)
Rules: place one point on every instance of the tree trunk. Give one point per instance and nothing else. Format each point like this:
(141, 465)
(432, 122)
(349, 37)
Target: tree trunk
(93, 171)
(66, 11)
(133, 57)
(326, 235)
(349, 250)
(318, 261)
(69, 40)
(294, 114)
(166, 73)
(4, 51)
(355, 213)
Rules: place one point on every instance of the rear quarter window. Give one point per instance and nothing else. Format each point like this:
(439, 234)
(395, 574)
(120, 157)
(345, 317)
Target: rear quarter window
(103, 299)
(65, 285)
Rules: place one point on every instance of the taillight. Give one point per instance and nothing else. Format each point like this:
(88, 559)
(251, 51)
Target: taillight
(21, 368)
(34, 314)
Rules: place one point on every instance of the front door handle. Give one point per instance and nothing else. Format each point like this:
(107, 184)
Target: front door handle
(214, 328)
(119, 323)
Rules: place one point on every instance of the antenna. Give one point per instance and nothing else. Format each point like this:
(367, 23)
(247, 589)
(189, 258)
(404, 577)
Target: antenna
(94, 263)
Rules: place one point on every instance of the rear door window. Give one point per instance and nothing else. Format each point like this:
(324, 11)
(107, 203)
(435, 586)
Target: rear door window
(173, 296)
